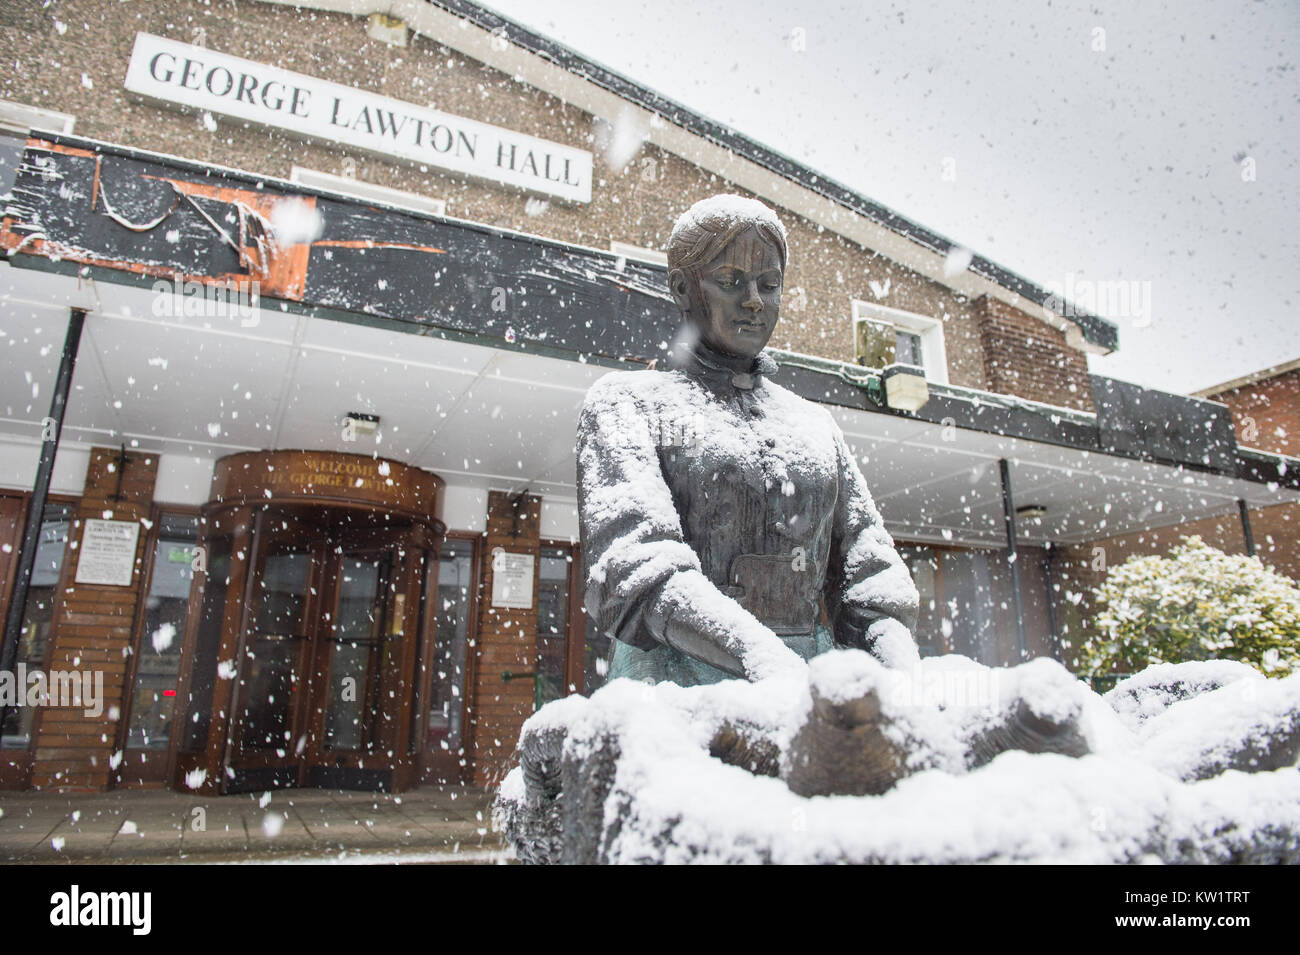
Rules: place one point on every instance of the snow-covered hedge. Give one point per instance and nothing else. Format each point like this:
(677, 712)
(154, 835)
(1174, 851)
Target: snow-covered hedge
(1196, 604)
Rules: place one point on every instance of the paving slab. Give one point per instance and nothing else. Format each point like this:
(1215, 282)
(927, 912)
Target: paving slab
(433, 825)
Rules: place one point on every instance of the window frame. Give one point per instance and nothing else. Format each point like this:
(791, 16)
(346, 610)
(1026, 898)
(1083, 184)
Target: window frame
(127, 703)
(575, 622)
(638, 253)
(934, 354)
(434, 763)
(25, 119)
(366, 190)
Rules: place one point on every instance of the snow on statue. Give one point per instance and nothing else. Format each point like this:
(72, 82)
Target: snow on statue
(717, 508)
(719, 515)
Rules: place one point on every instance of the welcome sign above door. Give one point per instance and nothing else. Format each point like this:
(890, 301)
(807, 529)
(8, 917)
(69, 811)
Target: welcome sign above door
(199, 78)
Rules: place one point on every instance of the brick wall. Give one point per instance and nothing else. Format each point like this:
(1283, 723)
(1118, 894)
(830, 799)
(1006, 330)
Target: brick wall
(1026, 357)
(1267, 413)
(93, 631)
(507, 642)
(52, 45)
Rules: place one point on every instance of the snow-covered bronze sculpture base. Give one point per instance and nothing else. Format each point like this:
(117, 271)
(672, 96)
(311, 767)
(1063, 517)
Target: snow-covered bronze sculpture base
(949, 762)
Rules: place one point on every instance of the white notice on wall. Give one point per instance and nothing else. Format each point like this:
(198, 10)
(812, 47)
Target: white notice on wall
(108, 552)
(512, 580)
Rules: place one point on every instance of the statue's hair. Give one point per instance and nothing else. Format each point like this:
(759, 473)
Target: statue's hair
(706, 228)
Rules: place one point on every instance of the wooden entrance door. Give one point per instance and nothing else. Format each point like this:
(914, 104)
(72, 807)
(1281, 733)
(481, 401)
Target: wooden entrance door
(325, 673)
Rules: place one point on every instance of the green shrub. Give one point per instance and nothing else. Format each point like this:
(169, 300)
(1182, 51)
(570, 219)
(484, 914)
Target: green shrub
(1196, 604)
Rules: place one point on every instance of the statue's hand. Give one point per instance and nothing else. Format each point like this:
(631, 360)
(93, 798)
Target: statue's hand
(892, 644)
(885, 638)
(773, 659)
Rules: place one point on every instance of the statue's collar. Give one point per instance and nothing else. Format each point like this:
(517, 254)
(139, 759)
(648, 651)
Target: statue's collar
(701, 361)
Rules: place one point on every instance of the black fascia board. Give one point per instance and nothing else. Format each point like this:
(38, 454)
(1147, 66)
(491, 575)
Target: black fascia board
(1096, 329)
(643, 305)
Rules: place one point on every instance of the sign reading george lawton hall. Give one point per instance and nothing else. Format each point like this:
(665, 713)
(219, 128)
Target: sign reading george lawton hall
(203, 79)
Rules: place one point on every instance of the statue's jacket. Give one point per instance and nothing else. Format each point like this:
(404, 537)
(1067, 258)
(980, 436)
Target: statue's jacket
(723, 501)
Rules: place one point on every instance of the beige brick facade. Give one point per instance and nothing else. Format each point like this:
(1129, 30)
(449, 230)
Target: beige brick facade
(637, 205)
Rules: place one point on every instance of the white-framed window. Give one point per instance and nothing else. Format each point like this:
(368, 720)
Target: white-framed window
(918, 339)
(367, 190)
(639, 252)
(19, 117)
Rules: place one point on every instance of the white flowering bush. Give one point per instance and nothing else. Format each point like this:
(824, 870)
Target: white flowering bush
(1196, 604)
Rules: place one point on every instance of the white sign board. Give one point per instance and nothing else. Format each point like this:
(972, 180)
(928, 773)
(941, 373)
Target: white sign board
(204, 79)
(107, 554)
(512, 580)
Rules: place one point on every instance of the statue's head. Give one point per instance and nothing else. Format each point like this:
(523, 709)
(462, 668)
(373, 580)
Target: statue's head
(726, 265)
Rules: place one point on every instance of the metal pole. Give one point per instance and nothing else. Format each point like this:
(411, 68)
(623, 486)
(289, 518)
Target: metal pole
(1051, 602)
(1245, 527)
(1009, 516)
(51, 429)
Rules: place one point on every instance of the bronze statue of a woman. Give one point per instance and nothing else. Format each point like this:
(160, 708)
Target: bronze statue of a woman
(720, 513)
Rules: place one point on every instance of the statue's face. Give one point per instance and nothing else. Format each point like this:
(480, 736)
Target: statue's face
(738, 297)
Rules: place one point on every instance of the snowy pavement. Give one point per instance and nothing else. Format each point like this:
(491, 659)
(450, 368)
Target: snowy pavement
(428, 825)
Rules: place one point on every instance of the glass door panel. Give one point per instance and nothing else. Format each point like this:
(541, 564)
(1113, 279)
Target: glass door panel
(356, 653)
(273, 666)
(968, 603)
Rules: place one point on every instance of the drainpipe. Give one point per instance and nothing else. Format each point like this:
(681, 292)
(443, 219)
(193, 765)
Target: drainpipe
(51, 429)
(1009, 516)
(1245, 527)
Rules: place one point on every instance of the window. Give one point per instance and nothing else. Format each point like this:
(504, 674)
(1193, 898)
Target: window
(38, 616)
(453, 604)
(553, 623)
(16, 122)
(361, 189)
(596, 657)
(11, 155)
(967, 605)
(22, 118)
(906, 339)
(957, 613)
(158, 648)
(572, 657)
(907, 348)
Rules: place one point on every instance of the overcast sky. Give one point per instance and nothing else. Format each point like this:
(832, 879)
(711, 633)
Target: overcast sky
(1085, 142)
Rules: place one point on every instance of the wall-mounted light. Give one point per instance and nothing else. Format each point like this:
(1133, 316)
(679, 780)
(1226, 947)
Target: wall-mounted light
(356, 423)
(901, 387)
(1031, 511)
